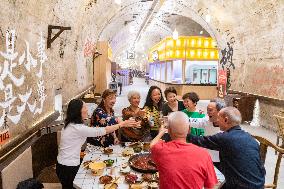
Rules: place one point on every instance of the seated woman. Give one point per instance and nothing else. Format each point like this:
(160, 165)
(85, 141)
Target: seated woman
(190, 101)
(73, 136)
(134, 112)
(103, 116)
(152, 107)
(172, 103)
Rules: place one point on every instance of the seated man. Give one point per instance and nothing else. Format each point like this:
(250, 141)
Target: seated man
(210, 123)
(180, 164)
(239, 152)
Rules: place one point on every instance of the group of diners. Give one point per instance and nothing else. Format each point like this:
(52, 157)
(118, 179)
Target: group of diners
(180, 157)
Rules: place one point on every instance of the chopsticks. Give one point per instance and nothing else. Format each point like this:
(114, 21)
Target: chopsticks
(115, 180)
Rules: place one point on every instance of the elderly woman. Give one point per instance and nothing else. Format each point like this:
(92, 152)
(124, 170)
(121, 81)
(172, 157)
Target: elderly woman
(172, 103)
(152, 107)
(103, 116)
(134, 112)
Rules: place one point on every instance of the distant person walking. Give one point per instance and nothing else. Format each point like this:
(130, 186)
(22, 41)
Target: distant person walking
(119, 81)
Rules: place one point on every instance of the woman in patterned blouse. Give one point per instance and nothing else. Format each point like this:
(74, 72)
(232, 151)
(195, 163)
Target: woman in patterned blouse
(152, 107)
(135, 112)
(104, 116)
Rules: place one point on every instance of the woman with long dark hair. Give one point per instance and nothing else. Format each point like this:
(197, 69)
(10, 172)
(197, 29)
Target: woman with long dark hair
(73, 135)
(152, 107)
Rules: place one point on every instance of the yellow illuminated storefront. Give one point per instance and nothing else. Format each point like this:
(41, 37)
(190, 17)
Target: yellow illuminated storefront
(189, 60)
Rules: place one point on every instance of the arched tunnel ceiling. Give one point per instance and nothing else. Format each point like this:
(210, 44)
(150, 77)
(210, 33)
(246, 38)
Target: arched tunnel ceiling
(155, 19)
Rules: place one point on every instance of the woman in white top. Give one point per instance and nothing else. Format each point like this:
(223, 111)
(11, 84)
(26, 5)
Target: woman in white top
(73, 136)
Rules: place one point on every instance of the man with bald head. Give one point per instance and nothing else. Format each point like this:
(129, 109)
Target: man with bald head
(180, 164)
(239, 152)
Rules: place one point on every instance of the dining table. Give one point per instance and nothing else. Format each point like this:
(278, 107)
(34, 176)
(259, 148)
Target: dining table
(86, 180)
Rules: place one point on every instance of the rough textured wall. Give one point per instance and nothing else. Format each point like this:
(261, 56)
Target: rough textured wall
(27, 96)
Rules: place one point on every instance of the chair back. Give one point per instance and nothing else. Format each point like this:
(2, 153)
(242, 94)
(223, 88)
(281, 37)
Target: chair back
(264, 144)
(280, 124)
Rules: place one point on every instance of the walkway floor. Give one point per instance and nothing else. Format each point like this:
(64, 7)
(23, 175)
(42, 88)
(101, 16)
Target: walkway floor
(140, 86)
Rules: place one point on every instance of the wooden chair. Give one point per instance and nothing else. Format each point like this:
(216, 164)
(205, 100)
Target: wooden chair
(264, 144)
(280, 131)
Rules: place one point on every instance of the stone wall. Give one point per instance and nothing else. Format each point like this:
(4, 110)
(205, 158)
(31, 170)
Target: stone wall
(26, 95)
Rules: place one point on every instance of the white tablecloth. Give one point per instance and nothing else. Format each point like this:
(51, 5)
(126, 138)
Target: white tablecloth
(85, 180)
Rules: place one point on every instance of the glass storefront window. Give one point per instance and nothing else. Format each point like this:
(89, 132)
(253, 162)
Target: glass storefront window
(151, 71)
(196, 76)
(157, 72)
(177, 71)
(163, 70)
(169, 72)
(201, 72)
(213, 76)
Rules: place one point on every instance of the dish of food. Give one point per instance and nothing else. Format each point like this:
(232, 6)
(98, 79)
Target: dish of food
(97, 168)
(111, 186)
(108, 151)
(147, 177)
(146, 146)
(131, 178)
(153, 185)
(109, 162)
(105, 179)
(137, 149)
(128, 152)
(142, 163)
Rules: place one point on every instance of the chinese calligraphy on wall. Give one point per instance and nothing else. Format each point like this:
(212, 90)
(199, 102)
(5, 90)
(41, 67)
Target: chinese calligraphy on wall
(10, 108)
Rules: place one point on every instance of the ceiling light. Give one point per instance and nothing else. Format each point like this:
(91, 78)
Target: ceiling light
(175, 35)
(201, 32)
(207, 18)
(117, 2)
(131, 29)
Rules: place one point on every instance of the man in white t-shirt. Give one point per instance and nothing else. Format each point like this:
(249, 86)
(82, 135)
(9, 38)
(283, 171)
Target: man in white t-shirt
(210, 122)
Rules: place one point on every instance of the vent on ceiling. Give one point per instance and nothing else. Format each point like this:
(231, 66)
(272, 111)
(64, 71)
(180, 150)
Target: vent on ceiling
(146, 0)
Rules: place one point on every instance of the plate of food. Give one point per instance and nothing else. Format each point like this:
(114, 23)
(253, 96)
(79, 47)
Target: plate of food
(142, 163)
(105, 179)
(108, 151)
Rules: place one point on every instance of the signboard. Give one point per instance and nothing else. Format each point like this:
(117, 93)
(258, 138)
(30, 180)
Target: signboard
(222, 83)
(130, 55)
(155, 55)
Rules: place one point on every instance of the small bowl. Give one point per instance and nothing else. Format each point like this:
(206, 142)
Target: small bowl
(109, 162)
(105, 179)
(97, 168)
(137, 149)
(108, 151)
(113, 186)
(147, 177)
(131, 178)
(146, 146)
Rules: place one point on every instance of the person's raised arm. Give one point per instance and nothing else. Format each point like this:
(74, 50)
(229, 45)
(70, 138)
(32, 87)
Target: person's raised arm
(126, 123)
(162, 131)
